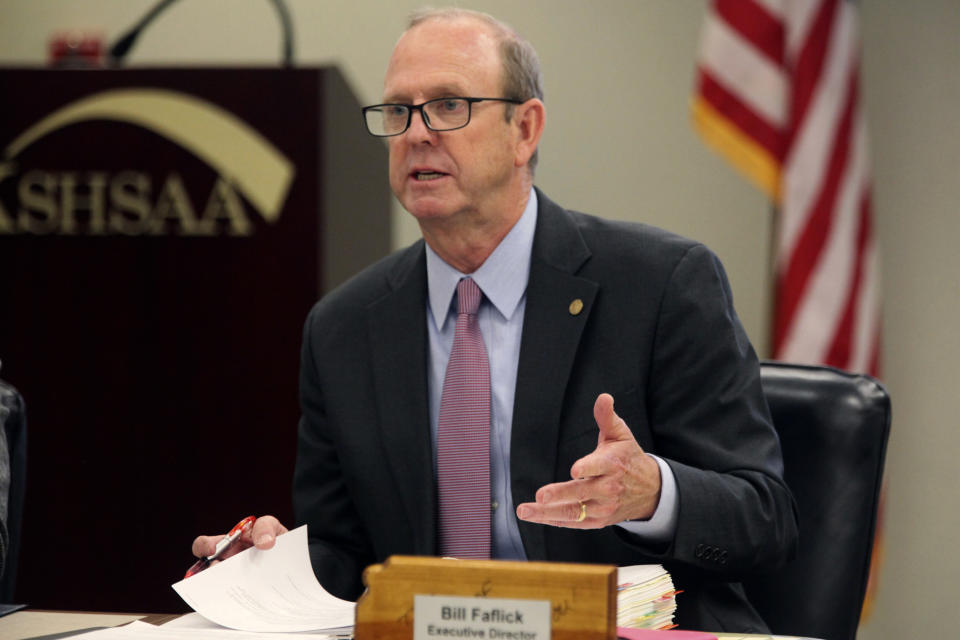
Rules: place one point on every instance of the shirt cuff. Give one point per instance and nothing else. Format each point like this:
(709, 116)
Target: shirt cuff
(663, 523)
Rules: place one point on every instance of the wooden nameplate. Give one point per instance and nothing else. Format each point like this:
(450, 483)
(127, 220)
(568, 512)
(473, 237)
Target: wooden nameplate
(582, 597)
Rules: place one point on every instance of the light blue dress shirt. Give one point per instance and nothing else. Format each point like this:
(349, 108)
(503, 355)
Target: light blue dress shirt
(503, 279)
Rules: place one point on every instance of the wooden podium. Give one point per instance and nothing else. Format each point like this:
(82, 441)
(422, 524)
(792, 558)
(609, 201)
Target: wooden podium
(163, 234)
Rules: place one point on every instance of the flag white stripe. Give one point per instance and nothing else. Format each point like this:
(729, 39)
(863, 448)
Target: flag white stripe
(808, 160)
(745, 72)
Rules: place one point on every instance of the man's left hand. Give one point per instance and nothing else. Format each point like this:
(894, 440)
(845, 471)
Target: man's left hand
(615, 483)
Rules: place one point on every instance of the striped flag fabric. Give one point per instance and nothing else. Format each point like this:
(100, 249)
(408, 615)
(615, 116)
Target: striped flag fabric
(778, 95)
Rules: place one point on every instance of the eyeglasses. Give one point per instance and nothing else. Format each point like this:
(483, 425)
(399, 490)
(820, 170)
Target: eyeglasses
(442, 114)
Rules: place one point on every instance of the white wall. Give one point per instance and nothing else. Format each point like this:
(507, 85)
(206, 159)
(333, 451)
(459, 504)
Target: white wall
(618, 143)
(912, 51)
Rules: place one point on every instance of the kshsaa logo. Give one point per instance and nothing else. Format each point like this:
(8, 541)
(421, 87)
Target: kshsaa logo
(149, 199)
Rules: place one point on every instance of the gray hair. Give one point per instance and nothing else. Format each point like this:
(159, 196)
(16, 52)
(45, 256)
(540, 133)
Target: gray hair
(521, 76)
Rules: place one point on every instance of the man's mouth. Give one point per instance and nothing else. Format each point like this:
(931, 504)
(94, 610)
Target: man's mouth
(427, 175)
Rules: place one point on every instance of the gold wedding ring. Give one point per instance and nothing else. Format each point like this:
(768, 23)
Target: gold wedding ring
(583, 512)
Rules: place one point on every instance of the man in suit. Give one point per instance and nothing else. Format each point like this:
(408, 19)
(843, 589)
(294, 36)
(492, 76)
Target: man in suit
(577, 313)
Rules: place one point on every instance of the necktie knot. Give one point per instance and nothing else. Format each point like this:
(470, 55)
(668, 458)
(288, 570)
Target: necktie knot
(468, 297)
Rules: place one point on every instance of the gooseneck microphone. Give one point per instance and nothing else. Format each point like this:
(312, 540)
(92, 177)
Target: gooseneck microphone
(119, 49)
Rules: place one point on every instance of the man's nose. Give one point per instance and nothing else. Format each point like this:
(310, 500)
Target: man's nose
(418, 129)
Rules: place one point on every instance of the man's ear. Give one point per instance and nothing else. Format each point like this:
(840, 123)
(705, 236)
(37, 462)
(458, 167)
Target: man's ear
(529, 119)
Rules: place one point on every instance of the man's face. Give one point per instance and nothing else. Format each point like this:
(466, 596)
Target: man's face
(438, 175)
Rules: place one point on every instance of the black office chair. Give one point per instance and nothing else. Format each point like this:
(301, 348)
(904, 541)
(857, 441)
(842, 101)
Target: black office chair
(15, 426)
(833, 428)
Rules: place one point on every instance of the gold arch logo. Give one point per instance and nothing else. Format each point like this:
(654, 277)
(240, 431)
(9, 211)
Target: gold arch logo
(240, 155)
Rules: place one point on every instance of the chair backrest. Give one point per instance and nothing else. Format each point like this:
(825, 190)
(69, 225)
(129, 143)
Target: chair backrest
(15, 428)
(833, 428)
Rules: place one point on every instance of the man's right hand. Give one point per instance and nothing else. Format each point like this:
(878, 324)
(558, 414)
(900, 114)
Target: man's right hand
(262, 535)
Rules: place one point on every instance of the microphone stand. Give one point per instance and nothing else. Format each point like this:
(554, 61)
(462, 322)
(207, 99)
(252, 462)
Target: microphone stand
(119, 49)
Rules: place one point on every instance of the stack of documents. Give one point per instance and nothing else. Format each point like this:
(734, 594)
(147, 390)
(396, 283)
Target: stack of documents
(646, 598)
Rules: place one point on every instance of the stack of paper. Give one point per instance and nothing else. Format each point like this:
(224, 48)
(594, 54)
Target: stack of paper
(646, 598)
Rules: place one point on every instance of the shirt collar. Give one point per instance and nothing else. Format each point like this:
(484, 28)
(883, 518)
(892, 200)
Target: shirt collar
(502, 277)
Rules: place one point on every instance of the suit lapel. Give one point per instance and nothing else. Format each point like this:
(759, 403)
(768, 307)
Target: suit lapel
(551, 336)
(399, 352)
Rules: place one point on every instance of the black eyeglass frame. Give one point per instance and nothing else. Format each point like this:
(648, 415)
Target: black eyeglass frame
(426, 119)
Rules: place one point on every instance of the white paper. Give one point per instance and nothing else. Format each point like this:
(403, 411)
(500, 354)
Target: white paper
(143, 631)
(197, 624)
(272, 590)
(638, 574)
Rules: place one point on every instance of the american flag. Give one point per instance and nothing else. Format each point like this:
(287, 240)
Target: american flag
(778, 95)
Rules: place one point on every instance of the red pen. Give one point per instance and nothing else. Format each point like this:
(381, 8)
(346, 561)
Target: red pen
(225, 543)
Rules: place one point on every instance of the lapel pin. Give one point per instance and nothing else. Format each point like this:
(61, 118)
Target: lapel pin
(576, 307)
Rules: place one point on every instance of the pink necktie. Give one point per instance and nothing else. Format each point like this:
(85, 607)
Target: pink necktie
(463, 436)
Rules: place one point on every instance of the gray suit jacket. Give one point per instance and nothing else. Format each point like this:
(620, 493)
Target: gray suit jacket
(657, 330)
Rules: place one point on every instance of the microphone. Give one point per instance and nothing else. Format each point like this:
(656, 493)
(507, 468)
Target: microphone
(119, 49)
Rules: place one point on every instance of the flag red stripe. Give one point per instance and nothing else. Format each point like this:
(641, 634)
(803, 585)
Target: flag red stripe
(802, 263)
(755, 24)
(807, 70)
(765, 134)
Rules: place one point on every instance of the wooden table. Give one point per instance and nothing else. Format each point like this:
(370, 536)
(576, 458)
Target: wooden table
(30, 623)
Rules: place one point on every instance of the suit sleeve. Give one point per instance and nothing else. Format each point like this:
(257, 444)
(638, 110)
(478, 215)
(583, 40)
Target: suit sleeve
(711, 424)
(338, 542)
